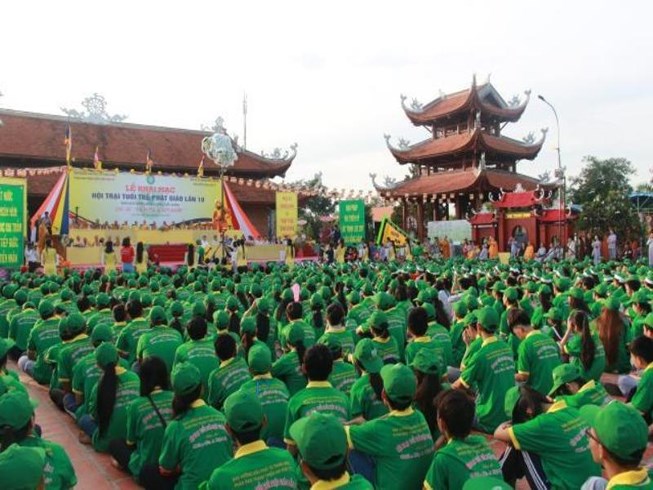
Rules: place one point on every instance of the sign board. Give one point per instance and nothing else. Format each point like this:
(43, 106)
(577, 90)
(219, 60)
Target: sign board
(286, 213)
(456, 230)
(13, 222)
(352, 221)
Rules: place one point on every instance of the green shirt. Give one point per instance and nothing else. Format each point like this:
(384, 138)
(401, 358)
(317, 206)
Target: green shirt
(226, 379)
(274, 396)
(161, 342)
(492, 371)
(309, 334)
(196, 442)
(200, 353)
(343, 376)
(419, 343)
(397, 328)
(21, 326)
(288, 370)
(346, 337)
(255, 465)
(318, 396)
(346, 482)
(44, 335)
(145, 430)
(400, 444)
(70, 354)
(127, 390)
(538, 356)
(104, 316)
(58, 471)
(128, 338)
(387, 349)
(574, 349)
(473, 347)
(457, 344)
(5, 307)
(591, 393)
(636, 479)
(458, 461)
(364, 401)
(442, 341)
(559, 438)
(622, 364)
(643, 398)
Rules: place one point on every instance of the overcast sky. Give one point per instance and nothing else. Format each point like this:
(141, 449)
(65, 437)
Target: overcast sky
(328, 75)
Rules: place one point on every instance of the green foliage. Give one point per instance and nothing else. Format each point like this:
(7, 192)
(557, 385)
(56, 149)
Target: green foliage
(315, 207)
(602, 189)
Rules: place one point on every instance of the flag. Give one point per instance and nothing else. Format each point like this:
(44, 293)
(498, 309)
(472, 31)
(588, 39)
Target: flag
(68, 143)
(389, 231)
(200, 168)
(97, 163)
(148, 161)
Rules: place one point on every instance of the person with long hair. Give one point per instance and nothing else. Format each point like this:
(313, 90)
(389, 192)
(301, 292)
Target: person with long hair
(233, 307)
(288, 368)
(366, 393)
(428, 372)
(109, 257)
(116, 388)
(230, 374)
(343, 375)
(584, 348)
(615, 337)
(316, 319)
(266, 325)
(127, 255)
(577, 300)
(543, 305)
(147, 419)
(383, 341)
(142, 258)
(49, 258)
(195, 441)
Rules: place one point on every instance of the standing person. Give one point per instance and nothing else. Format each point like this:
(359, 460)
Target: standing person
(109, 258)
(31, 257)
(142, 258)
(49, 258)
(127, 256)
(596, 250)
(612, 245)
(649, 243)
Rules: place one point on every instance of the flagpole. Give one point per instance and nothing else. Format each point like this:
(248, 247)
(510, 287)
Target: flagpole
(245, 121)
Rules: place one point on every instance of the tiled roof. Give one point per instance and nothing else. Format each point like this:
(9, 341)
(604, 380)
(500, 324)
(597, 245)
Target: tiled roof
(481, 219)
(518, 199)
(39, 138)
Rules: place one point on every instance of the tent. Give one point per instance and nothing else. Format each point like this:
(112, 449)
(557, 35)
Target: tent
(643, 201)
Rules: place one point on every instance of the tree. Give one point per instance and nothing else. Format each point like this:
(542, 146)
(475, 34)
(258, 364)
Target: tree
(317, 206)
(602, 189)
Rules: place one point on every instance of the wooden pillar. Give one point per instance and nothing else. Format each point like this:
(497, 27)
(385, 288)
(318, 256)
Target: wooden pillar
(501, 230)
(404, 204)
(420, 220)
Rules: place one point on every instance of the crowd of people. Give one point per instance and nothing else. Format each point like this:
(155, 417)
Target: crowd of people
(389, 375)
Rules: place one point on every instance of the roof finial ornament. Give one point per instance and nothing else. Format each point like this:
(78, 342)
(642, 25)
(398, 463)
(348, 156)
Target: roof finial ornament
(487, 80)
(477, 120)
(519, 188)
(387, 140)
(474, 81)
(481, 163)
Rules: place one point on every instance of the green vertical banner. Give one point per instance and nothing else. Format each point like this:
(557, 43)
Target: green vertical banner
(13, 204)
(352, 221)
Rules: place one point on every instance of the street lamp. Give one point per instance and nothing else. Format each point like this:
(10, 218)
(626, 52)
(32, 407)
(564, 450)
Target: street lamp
(560, 175)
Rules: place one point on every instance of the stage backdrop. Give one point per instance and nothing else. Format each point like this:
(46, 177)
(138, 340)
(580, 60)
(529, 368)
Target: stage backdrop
(286, 214)
(352, 221)
(13, 221)
(108, 196)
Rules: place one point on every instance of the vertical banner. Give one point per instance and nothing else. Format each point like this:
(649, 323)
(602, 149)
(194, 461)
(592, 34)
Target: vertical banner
(286, 214)
(13, 229)
(352, 221)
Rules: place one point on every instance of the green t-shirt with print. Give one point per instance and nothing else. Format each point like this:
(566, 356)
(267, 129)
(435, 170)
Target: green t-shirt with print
(364, 401)
(459, 460)
(397, 319)
(161, 342)
(196, 442)
(320, 397)
(473, 347)
(127, 390)
(441, 339)
(591, 393)
(128, 338)
(21, 326)
(102, 317)
(288, 370)
(70, 354)
(574, 349)
(274, 396)
(58, 471)
(492, 371)
(347, 339)
(559, 438)
(226, 379)
(200, 353)
(343, 376)
(145, 429)
(458, 346)
(255, 466)
(387, 349)
(400, 444)
(44, 335)
(5, 307)
(310, 336)
(642, 400)
(538, 357)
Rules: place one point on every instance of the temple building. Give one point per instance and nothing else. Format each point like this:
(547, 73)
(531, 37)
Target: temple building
(31, 145)
(465, 158)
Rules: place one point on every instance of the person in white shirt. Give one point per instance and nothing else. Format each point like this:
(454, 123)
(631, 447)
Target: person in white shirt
(31, 257)
(612, 245)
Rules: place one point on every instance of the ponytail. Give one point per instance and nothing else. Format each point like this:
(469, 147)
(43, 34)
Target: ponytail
(247, 340)
(588, 347)
(106, 397)
(262, 327)
(377, 385)
(181, 403)
(318, 319)
(234, 322)
(428, 388)
(300, 348)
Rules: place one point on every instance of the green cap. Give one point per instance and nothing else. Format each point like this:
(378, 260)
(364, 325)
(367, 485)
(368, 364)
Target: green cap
(259, 359)
(5, 346)
(648, 321)
(368, 356)
(332, 342)
(243, 411)
(601, 290)
(544, 289)
(430, 311)
(383, 301)
(470, 319)
(562, 283)
(232, 303)
(576, 293)
(255, 290)
(321, 440)
(176, 308)
(46, 308)
(553, 314)
(76, 323)
(354, 297)
(16, 409)
(399, 382)
(498, 286)
(379, 320)
(620, 428)
(510, 400)
(106, 354)
(248, 325)
(460, 309)
(563, 374)
(199, 309)
(102, 300)
(511, 294)
(611, 303)
(317, 300)
(427, 361)
(295, 333)
(488, 318)
(486, 483)
(158, 315)
(24, 464)
(102, 333)
(185, 378)
(263, 306)
(221, 319)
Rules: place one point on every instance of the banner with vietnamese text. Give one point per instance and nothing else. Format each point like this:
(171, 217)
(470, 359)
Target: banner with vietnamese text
(352, 221)
(389, 232)
(13, 221)
(286, 214)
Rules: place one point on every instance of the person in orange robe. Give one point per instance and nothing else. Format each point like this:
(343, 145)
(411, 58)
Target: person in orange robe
(529, 253)
(493, 251)
(444, 248)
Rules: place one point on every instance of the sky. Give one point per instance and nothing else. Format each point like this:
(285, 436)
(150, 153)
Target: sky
(328, 75)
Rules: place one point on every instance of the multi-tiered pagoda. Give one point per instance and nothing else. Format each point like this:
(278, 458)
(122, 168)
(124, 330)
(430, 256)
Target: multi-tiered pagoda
(465, 158)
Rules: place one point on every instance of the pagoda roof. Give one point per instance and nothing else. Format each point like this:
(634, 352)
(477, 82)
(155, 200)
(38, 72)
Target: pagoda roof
(454, 181)
(476, 140)
(480, 219)
(521, 198)
(484, 98)
(38, 139)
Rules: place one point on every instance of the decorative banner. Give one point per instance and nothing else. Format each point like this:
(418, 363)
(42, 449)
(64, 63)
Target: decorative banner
(352, 221)
(286, 214)
(108, 197)
(13, 226)
(388, 231)
(455, 230)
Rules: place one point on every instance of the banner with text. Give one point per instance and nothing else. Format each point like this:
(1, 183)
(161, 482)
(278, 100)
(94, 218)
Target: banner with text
(352, 221)
(109, 197)
(286, 214)
(389, 232)
(13, 221)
